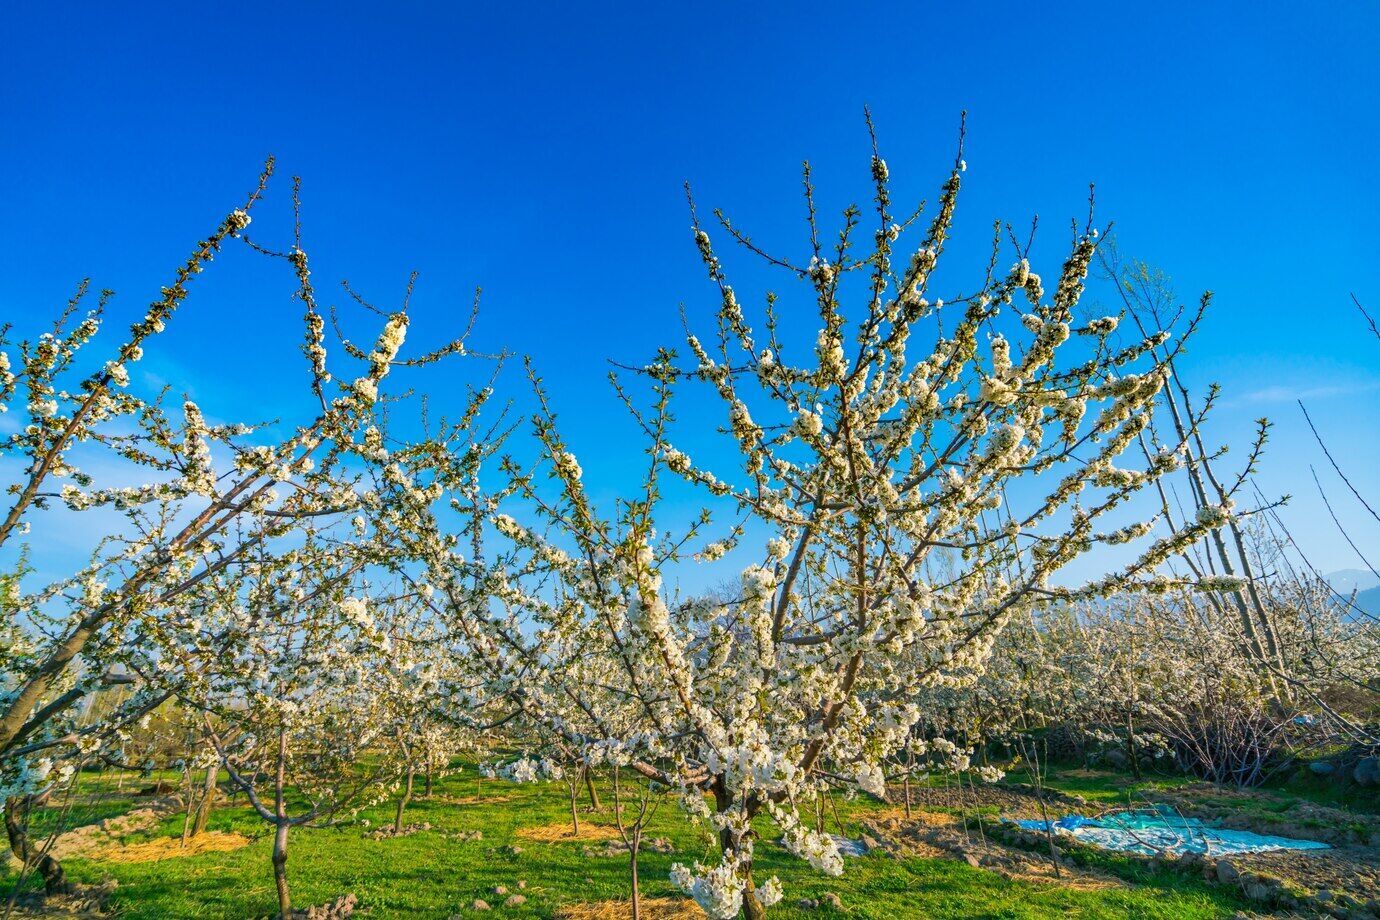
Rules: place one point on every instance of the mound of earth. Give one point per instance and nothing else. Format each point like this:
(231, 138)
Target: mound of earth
(81, 901)
(389, 832)
(973, 844)
(617, 847)
(1010, 800)
(1345, 878)
(338, 909)
(103, 835)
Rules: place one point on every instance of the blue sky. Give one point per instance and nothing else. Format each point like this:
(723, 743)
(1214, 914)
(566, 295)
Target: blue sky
(540, 151)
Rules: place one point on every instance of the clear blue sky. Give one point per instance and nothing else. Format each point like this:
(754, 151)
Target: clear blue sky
(539, 150)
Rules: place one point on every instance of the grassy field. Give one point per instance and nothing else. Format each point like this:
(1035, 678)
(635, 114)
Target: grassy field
(438, 874)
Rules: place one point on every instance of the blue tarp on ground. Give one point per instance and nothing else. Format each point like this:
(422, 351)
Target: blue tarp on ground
(1163, 831)
(850, 847)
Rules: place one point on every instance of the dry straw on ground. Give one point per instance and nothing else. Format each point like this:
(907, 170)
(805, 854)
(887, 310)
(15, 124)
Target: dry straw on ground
(1078, 880)
(652, 909)
(90, 838)
(172, 847)
(469, 799)
(559, 833)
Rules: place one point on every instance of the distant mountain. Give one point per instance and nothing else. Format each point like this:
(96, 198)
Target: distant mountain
(1344, 581)
(1369, 601)
(1363, 582)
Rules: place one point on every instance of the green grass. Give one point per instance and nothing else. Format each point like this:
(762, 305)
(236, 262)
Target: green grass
(428, 875)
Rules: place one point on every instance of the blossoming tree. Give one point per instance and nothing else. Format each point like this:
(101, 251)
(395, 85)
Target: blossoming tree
(208, 499)
(991, 427)
(293, 706)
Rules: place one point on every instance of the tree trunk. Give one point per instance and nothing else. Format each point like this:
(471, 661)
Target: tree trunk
(281, 825)
(188, 814)
(280, 842)
(208, 799)
(427, 787)
(1131, 751)
(48, 868)
(752, 908)
(590, 788)
(574, 803)
(1037, 778)
(406, 797)
(633, 847)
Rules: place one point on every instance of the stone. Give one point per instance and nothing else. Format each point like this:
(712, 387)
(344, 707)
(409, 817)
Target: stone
(1226, 872)
(500, 890)
(480, 904)
(657, 845)
(339, 909)
(515, 900)
(832, 900)
(1367, 772)
(1322, 768)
